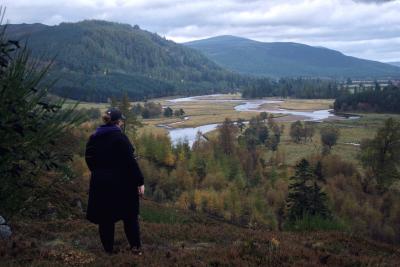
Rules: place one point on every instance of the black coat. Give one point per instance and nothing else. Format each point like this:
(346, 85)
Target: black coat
(115, 176)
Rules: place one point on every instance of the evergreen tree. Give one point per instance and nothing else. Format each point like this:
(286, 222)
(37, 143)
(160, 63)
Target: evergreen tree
(124, 105)
(113, 102)
(305, 196)
(318, 202)
(31, 124)
(131, 122)
(318, 172)
(378, 100)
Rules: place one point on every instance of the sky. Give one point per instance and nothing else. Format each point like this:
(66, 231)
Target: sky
(367, 29)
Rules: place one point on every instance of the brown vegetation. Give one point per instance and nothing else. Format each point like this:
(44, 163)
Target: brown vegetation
(194, 240)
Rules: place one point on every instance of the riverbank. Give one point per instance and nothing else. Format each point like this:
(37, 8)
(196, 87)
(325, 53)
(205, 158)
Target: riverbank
(214, 109)
(205, 113)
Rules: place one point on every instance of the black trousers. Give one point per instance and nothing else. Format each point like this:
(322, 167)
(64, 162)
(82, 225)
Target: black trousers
(132, 232)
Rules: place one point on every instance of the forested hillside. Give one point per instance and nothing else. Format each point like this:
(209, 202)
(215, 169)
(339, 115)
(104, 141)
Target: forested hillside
(280, 59)
(96, 59)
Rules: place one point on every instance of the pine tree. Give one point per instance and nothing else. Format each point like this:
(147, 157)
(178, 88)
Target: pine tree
(298, 197)
(131, 121)
(318, 202)
(31, 126)
(318, 172)
(113, 102)
(124, 105)
(305, 195)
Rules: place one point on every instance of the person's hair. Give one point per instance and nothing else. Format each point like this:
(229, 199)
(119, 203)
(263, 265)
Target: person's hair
(107, 120)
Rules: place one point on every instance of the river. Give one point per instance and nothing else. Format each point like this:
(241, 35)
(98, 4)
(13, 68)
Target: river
(189, 134)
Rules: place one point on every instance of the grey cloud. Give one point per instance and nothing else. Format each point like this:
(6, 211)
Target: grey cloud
(348, 25)
(375, 1)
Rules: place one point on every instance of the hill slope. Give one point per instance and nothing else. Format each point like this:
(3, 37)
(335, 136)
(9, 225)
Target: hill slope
(96, 59)
(394, 63)
(288, 59)
(177, 238)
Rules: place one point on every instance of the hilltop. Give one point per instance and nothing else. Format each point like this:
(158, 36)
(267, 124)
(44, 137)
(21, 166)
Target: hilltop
(96, 59)
(174, 237)
(284, 59)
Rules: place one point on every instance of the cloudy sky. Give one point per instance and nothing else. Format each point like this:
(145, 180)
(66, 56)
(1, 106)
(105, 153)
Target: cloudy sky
(363, 28)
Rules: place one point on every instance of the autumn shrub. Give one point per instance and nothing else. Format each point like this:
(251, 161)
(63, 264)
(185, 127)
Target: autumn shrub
(156, 148)
(183, 178)
(215, 181)
(334, 165)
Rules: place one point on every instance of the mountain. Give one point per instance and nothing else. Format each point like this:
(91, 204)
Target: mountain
(396, 63)
(96, 59)
(281, 59)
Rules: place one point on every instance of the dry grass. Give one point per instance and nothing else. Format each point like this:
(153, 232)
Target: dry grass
(87, 105)
(207, 112)
(201, 113)
(307, 104)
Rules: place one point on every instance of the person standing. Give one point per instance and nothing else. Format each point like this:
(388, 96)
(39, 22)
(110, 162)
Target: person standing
(116, 182)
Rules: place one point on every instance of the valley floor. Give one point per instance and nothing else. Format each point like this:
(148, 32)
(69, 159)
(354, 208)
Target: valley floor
(178, 238)
(207, 111)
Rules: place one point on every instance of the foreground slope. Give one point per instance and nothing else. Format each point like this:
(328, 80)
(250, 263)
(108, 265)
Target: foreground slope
(96, 59)
(281, 59)
(178, 238)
